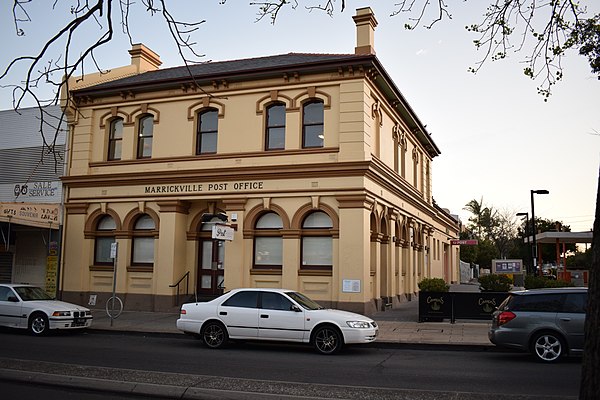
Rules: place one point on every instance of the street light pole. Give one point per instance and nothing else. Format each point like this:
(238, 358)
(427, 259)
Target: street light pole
(526, 231)
(534, 229)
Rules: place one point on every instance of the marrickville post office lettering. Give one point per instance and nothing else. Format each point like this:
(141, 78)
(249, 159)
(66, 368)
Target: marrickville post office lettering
(204, 187)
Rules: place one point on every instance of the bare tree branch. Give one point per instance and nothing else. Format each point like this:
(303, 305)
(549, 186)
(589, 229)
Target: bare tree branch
(42, 68)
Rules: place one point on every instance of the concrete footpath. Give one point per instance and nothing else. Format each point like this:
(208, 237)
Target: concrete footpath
(398, 326)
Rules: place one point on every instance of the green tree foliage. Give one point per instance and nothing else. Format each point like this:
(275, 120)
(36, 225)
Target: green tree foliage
(580, 260)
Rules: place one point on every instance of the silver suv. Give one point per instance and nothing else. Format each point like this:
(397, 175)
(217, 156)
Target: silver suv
(549, 323)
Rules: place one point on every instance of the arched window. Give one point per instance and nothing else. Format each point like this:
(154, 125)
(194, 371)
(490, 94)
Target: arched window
(317, 242)
(115, 139)
(105, 237)
(206, 135)
(313, 124)
(145, 136)
(275, 131)
(142, 253)
(268, 242)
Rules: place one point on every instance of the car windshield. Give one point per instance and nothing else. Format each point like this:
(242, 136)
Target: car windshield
(29, 293)
(304, 301)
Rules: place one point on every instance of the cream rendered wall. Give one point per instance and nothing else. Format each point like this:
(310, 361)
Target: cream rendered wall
(349, 126)
(354, 122)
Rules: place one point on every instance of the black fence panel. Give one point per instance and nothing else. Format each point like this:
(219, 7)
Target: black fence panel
(434, 306)
(437, 306)
(476, 305)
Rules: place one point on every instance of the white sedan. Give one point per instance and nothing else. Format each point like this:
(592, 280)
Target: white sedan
(30, 307)
(274, 315)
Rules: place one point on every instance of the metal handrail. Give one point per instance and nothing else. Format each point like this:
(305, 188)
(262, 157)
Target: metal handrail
(186, 276)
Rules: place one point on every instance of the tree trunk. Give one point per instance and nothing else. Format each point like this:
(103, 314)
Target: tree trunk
(590, 369)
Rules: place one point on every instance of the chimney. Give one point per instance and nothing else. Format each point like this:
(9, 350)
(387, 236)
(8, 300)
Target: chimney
(365, 31)
(143, 58)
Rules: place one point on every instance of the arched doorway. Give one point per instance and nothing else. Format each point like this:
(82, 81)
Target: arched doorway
(211, 260)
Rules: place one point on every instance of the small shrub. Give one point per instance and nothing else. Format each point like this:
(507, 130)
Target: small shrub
(495, 283)
(538, 282)
(433, 285)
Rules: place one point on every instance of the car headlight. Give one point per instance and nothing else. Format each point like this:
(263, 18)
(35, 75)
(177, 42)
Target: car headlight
(358, 324)
(61, 314)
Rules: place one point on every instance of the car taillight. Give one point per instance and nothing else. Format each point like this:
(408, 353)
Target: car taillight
(183, 312)
(504, 317)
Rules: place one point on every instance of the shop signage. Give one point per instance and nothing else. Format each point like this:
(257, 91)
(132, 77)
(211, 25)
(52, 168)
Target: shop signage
(41, 215)
(36, 190)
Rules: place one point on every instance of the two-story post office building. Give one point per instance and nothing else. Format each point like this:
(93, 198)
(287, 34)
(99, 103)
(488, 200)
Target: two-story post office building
(303, 171)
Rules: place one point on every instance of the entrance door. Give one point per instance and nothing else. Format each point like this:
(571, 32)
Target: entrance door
(210, 267)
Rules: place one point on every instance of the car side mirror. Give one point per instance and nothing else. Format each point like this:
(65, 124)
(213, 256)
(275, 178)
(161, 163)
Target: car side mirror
(295, 308)
(13, 299)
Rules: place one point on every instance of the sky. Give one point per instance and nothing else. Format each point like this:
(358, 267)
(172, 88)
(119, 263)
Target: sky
(498, 138)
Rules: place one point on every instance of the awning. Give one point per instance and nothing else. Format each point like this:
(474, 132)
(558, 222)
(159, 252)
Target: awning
(31, 214)
(563, 237)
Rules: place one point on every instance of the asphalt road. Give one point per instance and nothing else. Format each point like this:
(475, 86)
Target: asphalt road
(358, 372)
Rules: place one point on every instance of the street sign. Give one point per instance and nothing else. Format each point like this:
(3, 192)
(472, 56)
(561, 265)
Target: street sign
(462, 242)
(113, 250)
(222, 232)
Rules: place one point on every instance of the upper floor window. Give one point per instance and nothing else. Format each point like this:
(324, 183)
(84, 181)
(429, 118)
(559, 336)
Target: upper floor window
(143, 241)
(105, 237)
(268, 242)
(275, 132)
(317, 242)
(115, 139)
(206, 136)
(312, 124)
(145, 136)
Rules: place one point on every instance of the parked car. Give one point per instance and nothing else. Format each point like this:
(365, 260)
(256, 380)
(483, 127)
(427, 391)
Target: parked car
(549, 323)
(30, 307)
(274, 315)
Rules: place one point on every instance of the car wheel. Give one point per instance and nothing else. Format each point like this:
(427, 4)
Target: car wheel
(214, 335)
(38, 324)
(548, 347)
(327, 340)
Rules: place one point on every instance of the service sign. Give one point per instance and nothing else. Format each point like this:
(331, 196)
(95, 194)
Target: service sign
(507, 266)
(222, 232)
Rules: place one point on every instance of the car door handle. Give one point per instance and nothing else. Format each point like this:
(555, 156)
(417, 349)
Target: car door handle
(223, 313)
(565, 319)
(264, 315)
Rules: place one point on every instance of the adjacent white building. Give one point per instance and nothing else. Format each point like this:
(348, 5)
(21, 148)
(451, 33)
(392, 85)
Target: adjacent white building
(32, 150)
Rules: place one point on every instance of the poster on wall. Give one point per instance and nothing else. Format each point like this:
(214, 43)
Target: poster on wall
(351, 286)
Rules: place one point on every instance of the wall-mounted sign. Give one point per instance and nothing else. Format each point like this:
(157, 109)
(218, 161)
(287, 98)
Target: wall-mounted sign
(31, 214)
(351, 286)
(464, 242)
(222, 232)
(214, 187)
(47, 192)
